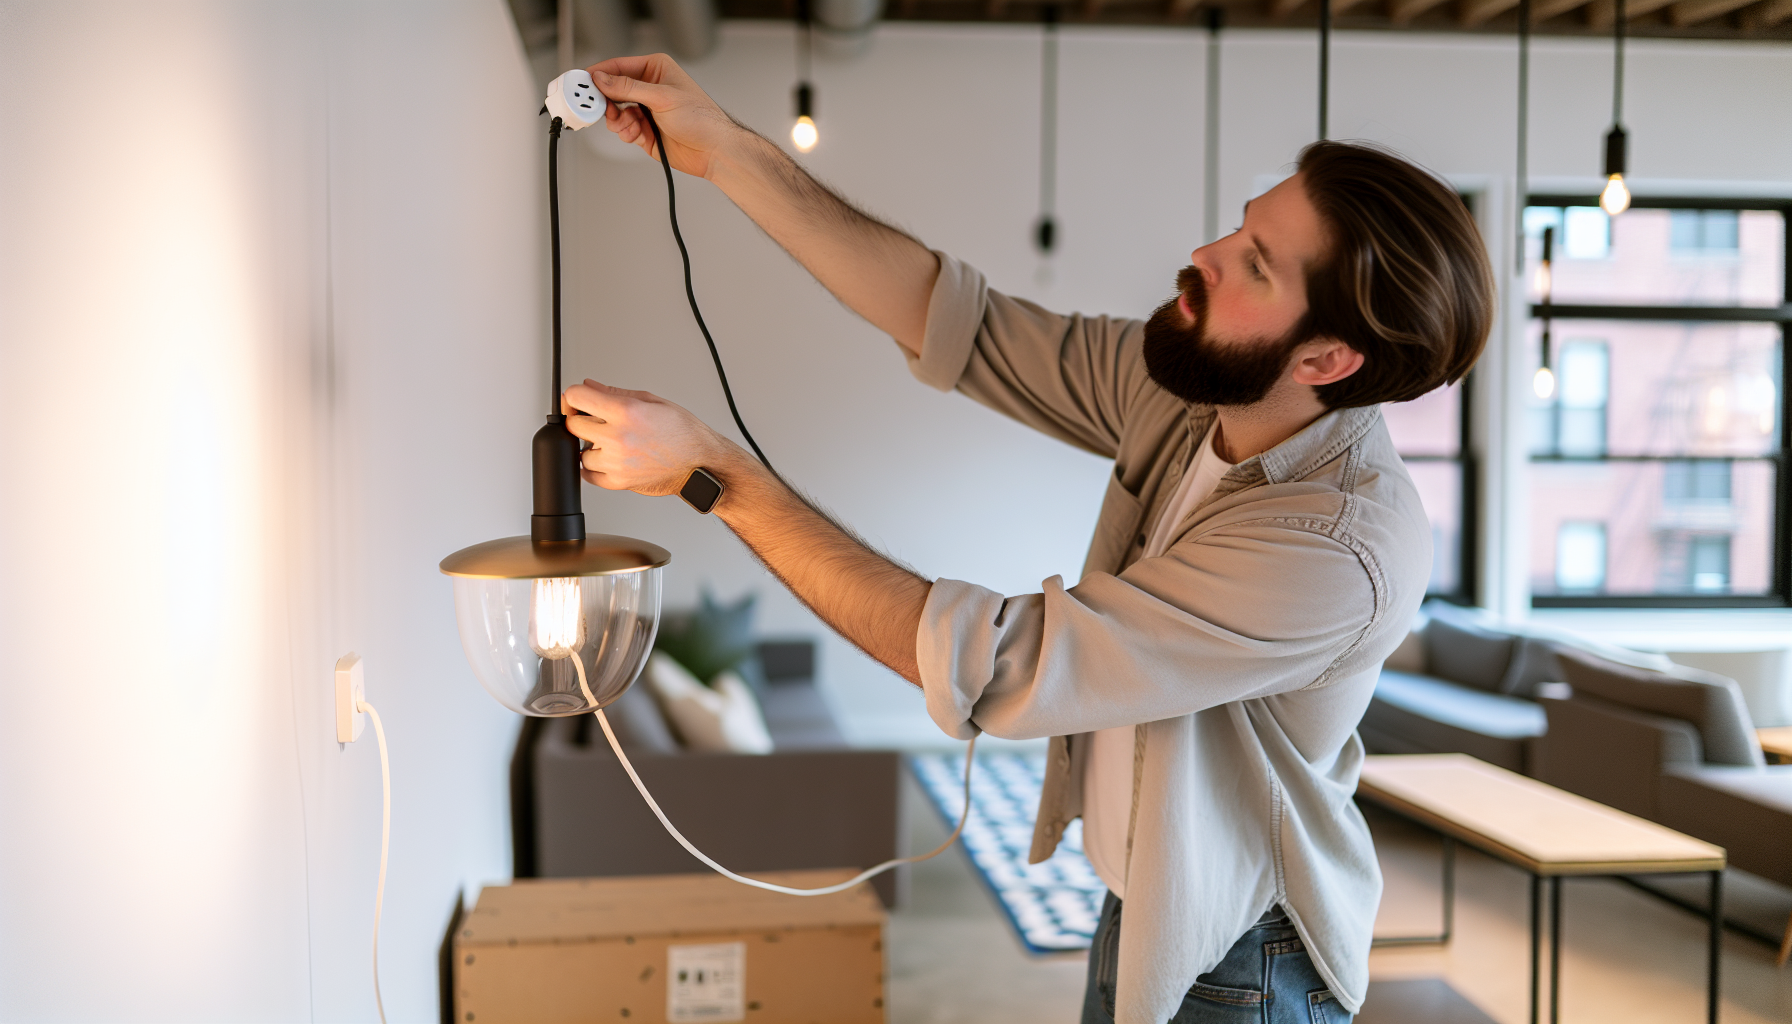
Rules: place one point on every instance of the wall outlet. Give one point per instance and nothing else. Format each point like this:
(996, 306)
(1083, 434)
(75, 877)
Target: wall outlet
(351, 689)
(574, 99)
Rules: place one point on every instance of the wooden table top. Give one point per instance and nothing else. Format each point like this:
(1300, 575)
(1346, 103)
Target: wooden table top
(1545, 830)
(1777, 740)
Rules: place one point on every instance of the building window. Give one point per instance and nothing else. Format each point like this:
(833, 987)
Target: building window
(1658, 465)
(1431, 435)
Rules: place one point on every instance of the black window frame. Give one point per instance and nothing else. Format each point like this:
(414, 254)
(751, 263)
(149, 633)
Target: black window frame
(1468, 542)
(1779, 594)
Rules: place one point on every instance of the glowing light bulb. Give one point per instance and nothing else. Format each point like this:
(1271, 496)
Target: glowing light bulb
(556, 617)
(1542, 281)
(803, 134)
(1544, 384)
(1616, 198)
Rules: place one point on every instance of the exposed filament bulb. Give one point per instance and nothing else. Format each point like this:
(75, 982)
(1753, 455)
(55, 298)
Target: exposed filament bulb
(556, 617)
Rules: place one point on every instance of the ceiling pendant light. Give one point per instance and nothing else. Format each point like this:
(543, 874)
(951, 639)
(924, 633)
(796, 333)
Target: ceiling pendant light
(1616, 197)
(558, 622)
(1544, 383)
(1045, 229)
(803, 134)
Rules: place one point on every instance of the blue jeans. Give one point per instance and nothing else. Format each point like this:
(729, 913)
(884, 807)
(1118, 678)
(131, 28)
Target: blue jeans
(1265, 978)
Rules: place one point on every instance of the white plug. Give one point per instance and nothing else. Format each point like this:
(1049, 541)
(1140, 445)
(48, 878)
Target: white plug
(574, 99)
(351, 690)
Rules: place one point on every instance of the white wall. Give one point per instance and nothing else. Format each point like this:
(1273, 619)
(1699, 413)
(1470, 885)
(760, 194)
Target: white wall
(936, 128)
(269, 349)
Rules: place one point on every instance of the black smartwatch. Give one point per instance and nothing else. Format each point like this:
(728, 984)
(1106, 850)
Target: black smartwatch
(701, 491)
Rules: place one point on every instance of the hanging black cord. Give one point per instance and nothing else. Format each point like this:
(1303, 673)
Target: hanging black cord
(690, 292)
(1524, 124)
(554, 250)
(1325, 68)
(1620, 23)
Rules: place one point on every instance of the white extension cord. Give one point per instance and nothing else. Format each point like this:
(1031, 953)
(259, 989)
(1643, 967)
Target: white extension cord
(609, 734)
(379, 892)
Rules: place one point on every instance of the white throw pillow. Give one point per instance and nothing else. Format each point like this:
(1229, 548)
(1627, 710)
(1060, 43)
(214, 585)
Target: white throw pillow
(723, 719)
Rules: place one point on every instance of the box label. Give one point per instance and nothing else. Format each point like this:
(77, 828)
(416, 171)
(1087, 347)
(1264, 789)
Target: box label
(706, 983)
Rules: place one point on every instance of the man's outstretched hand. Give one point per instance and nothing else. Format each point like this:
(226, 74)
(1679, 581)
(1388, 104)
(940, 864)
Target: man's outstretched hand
(695, 128)
(639, 441)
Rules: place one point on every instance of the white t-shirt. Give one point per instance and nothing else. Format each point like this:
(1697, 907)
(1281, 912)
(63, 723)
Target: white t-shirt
(1107, 778)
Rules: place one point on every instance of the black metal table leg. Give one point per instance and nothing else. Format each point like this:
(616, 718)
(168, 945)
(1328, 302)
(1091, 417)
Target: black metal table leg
(1717, 944)
(1555, 948)
(1536, 939)
(1449, 887)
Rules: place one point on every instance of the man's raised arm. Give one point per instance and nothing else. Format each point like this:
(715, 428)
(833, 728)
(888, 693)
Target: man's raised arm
(877, 271)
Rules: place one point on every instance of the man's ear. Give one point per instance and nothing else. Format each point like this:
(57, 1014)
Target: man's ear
(1325, 361)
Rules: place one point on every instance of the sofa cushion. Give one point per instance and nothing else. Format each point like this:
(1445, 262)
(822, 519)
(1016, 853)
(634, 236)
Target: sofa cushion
(1466, 654)
(638, 723)
(1712, 703)
(1490, 714)
(1747, 811)
(1533, 663)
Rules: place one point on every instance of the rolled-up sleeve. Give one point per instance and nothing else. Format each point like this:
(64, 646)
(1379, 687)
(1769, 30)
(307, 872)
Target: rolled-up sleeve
(1244, 612)
(1073, 377)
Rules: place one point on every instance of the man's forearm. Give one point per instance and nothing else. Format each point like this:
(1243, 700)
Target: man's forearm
(879, 272)
(864, 596)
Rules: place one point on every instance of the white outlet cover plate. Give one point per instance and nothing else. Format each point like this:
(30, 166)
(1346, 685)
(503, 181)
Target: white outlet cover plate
(351, 689)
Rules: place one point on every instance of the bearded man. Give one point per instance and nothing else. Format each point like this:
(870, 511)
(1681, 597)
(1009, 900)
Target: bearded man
(1259, 551)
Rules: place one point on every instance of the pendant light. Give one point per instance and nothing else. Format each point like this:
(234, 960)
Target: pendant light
(1045, 229)
(1544, 384)
(803, 134)
(1616, 197)
(558, 622)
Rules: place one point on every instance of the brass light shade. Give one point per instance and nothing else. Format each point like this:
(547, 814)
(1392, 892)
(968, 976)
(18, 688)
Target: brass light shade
(520, 558)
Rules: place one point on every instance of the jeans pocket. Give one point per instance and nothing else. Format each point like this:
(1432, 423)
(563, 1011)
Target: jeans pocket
(1217, 1004)
(1324, 1008)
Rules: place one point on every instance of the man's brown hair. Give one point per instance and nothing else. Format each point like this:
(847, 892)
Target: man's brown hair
(1405, 279)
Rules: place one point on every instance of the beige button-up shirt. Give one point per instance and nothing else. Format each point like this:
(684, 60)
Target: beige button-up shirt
(1244, 655)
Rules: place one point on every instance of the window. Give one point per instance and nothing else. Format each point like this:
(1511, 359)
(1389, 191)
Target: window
(1659, 463)
(1430, 433)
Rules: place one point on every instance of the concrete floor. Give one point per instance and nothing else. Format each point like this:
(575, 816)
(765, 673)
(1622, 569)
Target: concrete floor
(1626, 957)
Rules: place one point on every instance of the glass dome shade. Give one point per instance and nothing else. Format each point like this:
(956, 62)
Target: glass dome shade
(553, 630)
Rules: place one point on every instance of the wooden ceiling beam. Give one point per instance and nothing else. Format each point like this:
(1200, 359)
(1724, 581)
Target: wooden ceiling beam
(1691, 12)
(1401, 12)
(1767, 15)
(1473, 12)
(1601, 13)
(1181, 8)
(1281, 9)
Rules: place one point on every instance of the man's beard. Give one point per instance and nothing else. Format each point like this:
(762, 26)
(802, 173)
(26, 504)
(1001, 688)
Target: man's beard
(1183, 359)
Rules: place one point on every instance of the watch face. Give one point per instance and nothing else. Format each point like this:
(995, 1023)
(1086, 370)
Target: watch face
(701, 491)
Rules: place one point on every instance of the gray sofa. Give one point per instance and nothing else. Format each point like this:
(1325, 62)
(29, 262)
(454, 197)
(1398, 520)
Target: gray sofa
(814, 802)
(1460, 686)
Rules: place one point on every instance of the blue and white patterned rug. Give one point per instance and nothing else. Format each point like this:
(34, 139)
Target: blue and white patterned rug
(1053, 906)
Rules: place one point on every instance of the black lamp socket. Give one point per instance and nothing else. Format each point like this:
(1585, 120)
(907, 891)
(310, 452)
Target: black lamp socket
(558, 515)
(805, 100)
(1616, 149)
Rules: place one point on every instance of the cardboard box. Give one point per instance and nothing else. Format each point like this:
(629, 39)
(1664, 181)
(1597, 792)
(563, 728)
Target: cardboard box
(677, 949)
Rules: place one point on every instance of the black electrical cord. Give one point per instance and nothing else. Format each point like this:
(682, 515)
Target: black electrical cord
(554, 249)
(690, 292)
